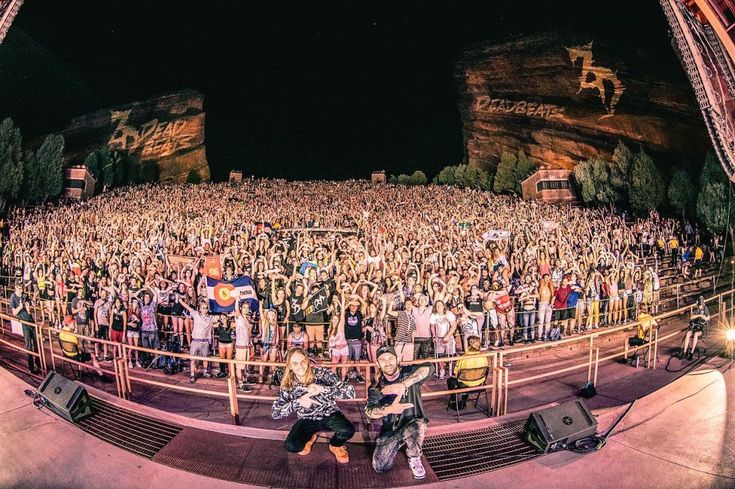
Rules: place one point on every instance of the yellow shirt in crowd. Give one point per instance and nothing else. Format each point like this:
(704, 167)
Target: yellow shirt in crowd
(471, 360)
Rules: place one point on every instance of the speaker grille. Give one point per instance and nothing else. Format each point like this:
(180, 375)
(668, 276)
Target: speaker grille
(473, 452)
(127, 429)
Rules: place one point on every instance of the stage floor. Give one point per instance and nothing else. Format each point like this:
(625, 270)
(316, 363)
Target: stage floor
(682, 435)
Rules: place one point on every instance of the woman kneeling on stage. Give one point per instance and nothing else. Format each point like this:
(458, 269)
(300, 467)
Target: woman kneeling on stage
(311, 392)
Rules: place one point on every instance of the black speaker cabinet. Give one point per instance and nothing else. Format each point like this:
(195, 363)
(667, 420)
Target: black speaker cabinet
(65, 397)
(551, 428)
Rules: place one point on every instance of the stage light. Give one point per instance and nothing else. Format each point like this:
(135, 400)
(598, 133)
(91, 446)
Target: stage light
(730, 334)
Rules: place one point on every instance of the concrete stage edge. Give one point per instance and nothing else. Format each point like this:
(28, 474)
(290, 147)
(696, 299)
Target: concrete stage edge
(682, 435)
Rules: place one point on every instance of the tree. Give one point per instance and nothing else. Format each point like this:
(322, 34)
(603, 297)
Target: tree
(620, 171)
(404, 179)
(524, 168)
(511, 172)
(33, 190)
(393, 180)
(646, 188)
(681, 193)
(92, 165)
(445, 176)
(417, 178)
(504, 175)
(48, 161)
(593, 178)
(193, 176)
(11, 162)
(713, 195)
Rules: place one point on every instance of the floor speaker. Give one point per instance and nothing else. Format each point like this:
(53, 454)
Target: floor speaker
(65, 397)
(555, 427)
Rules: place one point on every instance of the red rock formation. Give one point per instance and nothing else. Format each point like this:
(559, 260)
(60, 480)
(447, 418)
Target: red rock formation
(563, 98)
(168, 130)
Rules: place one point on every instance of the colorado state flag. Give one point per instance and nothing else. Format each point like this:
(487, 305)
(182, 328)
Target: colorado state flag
(220, 293)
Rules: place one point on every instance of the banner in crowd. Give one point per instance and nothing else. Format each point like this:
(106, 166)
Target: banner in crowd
(213, 267)
(177, 261)
(549, 225)
(318, 302)
(496, 234)
(221, 294)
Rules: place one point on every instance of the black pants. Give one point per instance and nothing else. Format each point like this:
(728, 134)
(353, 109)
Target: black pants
(31, 344)
(452, 384)
(304, 429)
(423, 348)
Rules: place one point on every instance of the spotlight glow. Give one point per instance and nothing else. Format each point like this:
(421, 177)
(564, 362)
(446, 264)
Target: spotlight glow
(730, 334)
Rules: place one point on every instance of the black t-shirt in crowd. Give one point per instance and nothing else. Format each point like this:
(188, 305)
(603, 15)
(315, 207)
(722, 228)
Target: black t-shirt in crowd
(353, 325)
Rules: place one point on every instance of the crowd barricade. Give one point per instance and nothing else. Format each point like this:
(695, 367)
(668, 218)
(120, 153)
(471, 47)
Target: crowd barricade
(498, 384)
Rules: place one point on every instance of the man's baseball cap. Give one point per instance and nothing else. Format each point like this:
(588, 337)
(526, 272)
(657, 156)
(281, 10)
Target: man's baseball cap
(385, 349)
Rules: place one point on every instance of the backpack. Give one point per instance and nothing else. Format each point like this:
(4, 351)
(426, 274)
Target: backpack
(555, 334)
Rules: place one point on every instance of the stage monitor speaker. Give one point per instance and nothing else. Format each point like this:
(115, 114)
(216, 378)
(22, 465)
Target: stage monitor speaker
(558, 426)
(65, 397)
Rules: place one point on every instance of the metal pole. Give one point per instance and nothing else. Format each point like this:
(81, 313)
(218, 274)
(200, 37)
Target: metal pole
(232, 390)
(597, 364)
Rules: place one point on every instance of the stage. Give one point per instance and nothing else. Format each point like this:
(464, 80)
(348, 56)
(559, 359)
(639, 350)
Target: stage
(682, 435)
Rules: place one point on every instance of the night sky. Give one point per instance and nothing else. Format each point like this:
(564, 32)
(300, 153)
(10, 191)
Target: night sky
(325, 92)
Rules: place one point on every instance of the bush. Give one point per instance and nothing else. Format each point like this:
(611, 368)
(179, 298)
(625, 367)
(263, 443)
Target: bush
(465, 176)
(417, 178)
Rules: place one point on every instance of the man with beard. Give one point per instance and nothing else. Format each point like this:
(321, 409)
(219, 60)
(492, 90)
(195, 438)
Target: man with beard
(395, 396)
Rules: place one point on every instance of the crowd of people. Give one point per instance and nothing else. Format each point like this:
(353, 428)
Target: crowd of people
(422, 268)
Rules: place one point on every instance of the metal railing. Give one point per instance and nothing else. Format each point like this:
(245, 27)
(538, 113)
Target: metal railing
(498, 384)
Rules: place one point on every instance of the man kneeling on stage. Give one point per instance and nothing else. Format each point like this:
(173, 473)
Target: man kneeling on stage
(396, 398)
(311, 393)
(697, 323)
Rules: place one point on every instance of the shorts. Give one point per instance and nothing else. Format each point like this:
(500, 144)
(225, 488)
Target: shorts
(242, 353)
(83, 329)
(133, 334)
(339, 352)
(563, 314)
(199, 348)
(354, 350)
(164, 309)
(103, 332)
(116, 336)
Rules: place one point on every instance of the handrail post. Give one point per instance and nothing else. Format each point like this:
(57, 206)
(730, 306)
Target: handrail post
(232, 391)
(494, 392)
(39, 345)
(655, 348)
(677, 296)
(597, 365)
(589, 362)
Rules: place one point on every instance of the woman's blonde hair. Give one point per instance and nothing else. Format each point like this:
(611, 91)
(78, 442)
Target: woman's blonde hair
(289, 377)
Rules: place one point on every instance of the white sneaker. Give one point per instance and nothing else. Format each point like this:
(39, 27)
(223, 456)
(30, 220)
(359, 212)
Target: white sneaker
(417, 468)
(138, 364)
(131, 364)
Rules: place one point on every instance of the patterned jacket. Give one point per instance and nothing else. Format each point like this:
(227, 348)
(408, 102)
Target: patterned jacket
(324, 403)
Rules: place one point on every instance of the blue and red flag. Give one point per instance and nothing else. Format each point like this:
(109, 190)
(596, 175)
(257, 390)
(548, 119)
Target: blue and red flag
(222, 298)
